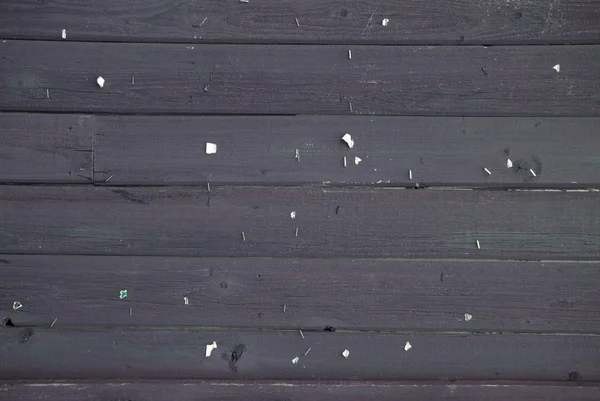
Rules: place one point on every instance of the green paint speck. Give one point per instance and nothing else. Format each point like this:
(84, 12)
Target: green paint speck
(123, 294)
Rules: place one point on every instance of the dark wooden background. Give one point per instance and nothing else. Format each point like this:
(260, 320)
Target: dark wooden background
(110, 189)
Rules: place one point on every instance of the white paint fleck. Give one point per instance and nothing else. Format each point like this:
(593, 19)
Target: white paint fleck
(487, 171)
(211, 148)
(307, 351)
(345, 162)
(556, 68)
(385, 22)
(17, 305)
(410, 174)
(346, 353)
(298, 154)
(349, 54)
(186, 300)
(532, 172)
(209, 348)
(293, 215)
(302, 334)
(478, 245)
(468, 317)
(295, 360)
(509, 163)
(407, 346)
(63, 34)
(244, 1)
(297, 22)
(357, 160)
(100, 82)
(348, 139)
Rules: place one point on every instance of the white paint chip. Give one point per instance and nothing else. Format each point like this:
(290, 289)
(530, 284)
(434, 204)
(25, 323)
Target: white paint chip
(407, 346)
(346, 353)
(357, 160)
(556, 68)
(295, 360)
(532, 172)
(509, 163)
(487, 171)
(385, 22)
(211, 148)
(100, 81)
(209, 348)
(349, 54)
(293, 215)
(348, 139)
(244, 1)
(63, 34)
(478, 245)
(17, 305)
(410, 174)
(345, 162)
(186, 300)
(468, 317)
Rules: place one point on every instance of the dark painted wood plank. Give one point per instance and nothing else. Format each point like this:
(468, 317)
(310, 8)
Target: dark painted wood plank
(331, 21)
(45, 148)
(343, 293)
(331, 222)
(103, 353)
(261, 150)
(296, 391)
(246, 79)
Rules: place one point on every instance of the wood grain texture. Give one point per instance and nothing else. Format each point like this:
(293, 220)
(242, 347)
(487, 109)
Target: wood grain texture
(250, 79)
(331, 223)
(347, 294)
(45, 148)
(170, 150)
(229, 390)
(103, 353)
(330, 21)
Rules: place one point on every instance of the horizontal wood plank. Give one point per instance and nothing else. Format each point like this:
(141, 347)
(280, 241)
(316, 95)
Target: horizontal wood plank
(229, 390)
(311, 21)
(251, 79)
(103, 353)
(343, 293)
(45, 148)
(170, 150)
(256, 221)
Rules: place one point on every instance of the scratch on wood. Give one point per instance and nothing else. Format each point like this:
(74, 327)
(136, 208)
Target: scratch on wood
(368, 23)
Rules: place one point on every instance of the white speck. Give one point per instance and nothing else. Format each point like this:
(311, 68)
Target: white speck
(346, 353)
(63, 34)
(209, 348)
(478, 245)
(487, 171)
(295, 360)
(302, 334)
(17, 305)
(410, 174)
(349, 54)
(385, 21)
(468, 317)
(297, 22)
(298, 154)
(357, 160)
(307, 351)
(47, 93)
(508, 163)
(53, 323)
(556, 68)
(186, 300)
(407, 346)
(293, 215)
(211, 148)
(244, 1)
(345, 162)
(348, 139)
(100, 82)
(532, 172)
